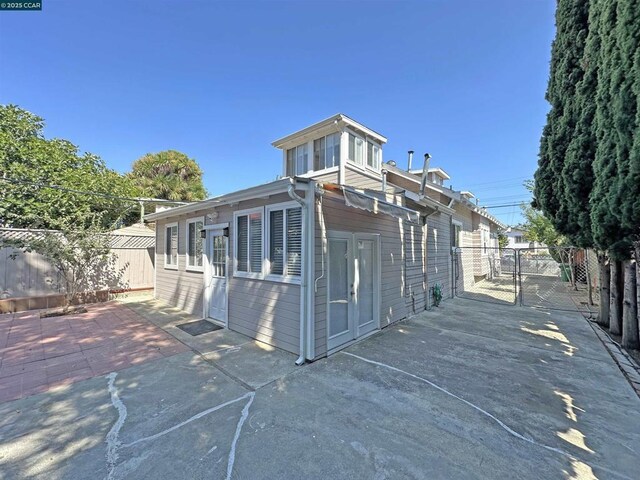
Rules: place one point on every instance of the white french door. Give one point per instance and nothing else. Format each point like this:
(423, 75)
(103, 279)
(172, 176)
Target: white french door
(353, 286)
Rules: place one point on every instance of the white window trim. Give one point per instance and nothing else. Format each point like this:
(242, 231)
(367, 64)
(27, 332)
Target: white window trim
(313, 152)
(324, 171)
(166, 227)
(459, 224)
(194, 268)
(309, 146)
(236, 273)
(364, 167)
(267, 243)
(352, 161)
(366, 155)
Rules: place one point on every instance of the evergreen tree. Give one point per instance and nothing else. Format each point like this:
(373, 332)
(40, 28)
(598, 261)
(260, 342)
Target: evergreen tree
(605, 199)
(625, 107)
(42, 180)
(577, 171)
(566, 72)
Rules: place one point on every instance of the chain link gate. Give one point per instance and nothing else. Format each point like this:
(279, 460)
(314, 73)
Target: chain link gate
(486, 274)
(558, 278)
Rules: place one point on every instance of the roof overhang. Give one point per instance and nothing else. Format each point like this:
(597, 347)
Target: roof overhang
(440, 172)
(429, 202)
(265, 190)
(452, 194)
(339, 120)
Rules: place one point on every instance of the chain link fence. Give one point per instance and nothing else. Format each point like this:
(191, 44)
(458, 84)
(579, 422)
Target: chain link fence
(485, 274)
(558, 278)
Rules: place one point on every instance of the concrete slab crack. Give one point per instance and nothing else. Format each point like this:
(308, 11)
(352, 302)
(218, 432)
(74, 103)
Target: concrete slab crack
(487, 414)
(243, 418)
(112, 439)
(190, 419)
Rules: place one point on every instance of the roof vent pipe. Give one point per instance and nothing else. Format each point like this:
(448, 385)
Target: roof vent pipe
(425, 171)
(384, 180)
(410, 160)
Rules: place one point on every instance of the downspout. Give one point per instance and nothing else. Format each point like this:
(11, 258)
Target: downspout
(427, 303)
(303, 281)
(323, 236)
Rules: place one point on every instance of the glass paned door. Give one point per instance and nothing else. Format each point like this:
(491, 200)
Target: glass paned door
(217, 288)
(339, 292)
(352, 287)
(365, 285)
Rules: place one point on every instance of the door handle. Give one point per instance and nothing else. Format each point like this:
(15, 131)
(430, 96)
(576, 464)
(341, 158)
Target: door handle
(352, 291)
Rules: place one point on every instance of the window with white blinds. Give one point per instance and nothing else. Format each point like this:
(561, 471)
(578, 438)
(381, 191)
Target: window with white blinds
(294, 242)
(255, 242)
(276, 244)
(249, 243)
(285, 241)
(194, 243)
(242, 234)
(279, 239)
(171, 246)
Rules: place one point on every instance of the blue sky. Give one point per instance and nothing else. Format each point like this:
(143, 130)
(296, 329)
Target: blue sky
(463, 80)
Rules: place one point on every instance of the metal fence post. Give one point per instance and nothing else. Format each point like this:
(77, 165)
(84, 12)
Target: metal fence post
(519, 273)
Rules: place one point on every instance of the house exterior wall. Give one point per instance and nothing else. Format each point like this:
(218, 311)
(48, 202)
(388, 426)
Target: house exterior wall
(361, 178)
(397, 279)
(266, 310)
(439, 252)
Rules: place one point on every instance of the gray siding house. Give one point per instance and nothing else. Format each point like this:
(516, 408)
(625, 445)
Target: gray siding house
(339, 247)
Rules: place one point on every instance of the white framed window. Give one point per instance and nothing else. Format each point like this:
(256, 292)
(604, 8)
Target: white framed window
(326, 152)
(356, 150)
(297, 160)
(284, 242)
(373, 156)
(248, 251)
(195, 244)
(456, 233)
(171, 246)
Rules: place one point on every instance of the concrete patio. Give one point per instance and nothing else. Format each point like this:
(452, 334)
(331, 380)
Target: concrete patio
(468, 390)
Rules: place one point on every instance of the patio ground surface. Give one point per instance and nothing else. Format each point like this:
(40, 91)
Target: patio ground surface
(38, 354)
(467, 390)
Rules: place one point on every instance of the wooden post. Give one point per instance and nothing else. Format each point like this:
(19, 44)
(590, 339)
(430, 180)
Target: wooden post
(615, 310)
(630, 338)
(605, 280)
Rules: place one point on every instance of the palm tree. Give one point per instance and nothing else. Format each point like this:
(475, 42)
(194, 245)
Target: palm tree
(170, 175)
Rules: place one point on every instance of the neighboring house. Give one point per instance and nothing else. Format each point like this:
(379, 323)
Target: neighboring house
(339, 247)
(517, 239)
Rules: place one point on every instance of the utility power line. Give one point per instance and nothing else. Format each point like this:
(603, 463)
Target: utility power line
(82, 192)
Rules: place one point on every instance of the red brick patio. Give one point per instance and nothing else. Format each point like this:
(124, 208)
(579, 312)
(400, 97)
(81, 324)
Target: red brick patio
(38, 354)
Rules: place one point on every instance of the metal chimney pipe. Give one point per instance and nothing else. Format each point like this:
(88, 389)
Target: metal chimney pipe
(410, 160)
(384, 180)
(425, 171)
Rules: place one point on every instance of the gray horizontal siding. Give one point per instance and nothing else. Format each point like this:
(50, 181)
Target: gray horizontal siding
(181, 288)
(439, 252)
(265, 310)
(355, 177)
(339, 217)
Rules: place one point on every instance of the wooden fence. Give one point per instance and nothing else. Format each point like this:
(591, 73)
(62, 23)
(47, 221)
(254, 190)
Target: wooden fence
(30, 275)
